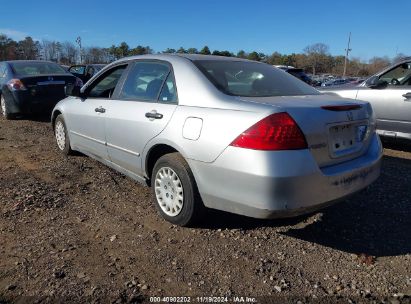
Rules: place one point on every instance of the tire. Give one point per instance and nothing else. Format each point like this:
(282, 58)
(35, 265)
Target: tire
(175, 192)
(62, 139)
(5, 108)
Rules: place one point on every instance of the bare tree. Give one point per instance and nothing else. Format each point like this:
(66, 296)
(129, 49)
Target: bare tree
(316, 53)
(69, 53)
(51, 50)
(398, 57)
(378, 63)
(96, 55)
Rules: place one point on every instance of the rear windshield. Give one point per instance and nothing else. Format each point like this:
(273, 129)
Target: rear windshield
(36, 68)
(252, 79)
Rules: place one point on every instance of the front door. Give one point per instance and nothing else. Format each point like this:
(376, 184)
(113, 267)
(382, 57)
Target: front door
(87, 118)
(392, 104)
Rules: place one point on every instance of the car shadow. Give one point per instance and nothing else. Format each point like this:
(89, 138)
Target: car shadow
(375, 222)
(396, 144)
(44, 117)
(216, 219)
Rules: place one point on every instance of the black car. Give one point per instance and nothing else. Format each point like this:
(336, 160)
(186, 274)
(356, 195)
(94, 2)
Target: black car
(299, 73)
(85, 71)
(32, 86)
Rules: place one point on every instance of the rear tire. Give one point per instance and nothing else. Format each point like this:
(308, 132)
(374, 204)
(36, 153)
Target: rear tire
(5, 108)
(61, 135)
(175, 192)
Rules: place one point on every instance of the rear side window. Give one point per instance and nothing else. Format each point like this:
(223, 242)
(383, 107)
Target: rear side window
(168, 93)
(32, 68)
(149, 81)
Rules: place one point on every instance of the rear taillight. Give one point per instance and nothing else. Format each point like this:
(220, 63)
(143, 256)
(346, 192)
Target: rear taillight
(16, 85)
(275, 132)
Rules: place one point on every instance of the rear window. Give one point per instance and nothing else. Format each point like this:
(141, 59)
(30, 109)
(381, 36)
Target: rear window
(36, 68)
(252, 79)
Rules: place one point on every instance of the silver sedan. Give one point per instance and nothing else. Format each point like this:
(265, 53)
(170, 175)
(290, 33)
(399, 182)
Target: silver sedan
(389, 93)
(223, 133)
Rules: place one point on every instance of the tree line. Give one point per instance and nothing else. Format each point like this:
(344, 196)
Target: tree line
(314, 59)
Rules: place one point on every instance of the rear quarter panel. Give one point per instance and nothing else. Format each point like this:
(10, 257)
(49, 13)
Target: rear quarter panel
(219, 128)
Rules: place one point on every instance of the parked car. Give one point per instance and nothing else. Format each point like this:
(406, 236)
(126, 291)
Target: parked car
(299, 73)
(65, 67)
(389, 93)
(223, 133)
(85, 71)
(357, 81)
(335, 82)
(31, 86)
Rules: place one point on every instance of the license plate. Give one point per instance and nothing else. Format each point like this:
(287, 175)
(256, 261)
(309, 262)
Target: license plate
(342, 137)
(346, 138)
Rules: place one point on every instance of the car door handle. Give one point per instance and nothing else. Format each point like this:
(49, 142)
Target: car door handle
(407, 95)
(154, 115)
(100, 110)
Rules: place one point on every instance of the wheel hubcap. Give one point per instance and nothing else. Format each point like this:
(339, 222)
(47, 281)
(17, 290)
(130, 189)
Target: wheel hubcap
(169, 191)
(60, 135)
(3, 105)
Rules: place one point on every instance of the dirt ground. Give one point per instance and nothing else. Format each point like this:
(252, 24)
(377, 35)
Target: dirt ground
(73, 230)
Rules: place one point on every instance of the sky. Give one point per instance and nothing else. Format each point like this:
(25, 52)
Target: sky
(378, 27)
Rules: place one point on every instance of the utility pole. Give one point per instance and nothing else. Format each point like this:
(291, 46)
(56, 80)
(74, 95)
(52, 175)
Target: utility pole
(347, 50)
(78, 40)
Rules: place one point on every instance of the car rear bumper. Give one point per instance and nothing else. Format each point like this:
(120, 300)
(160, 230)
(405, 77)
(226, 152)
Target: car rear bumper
(27, 102)
(265, 184)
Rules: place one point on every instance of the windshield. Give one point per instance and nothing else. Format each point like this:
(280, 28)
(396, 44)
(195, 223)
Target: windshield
(252, 79)
(27, 68)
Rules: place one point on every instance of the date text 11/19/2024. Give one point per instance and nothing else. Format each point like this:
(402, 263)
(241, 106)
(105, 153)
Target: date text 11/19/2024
(203, 299)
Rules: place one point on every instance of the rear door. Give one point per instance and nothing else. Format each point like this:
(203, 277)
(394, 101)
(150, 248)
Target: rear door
(141, 110)
(86, 119)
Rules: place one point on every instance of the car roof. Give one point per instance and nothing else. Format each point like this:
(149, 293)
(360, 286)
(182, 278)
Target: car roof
(190, 57)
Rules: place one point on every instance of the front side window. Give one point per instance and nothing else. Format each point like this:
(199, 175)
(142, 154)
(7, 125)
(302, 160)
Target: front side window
(105, 85)
(252, 79)
(400, 75)
(145, 81)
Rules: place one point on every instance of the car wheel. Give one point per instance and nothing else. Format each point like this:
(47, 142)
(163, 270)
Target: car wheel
(175, 191)
(62, 139)
(5, 108)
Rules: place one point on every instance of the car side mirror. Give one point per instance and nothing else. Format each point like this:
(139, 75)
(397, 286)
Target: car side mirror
(73, 90)
(376, 83)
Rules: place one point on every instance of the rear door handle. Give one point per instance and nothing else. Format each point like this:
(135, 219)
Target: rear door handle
(100, 109)
(407, 95)
(154, 115)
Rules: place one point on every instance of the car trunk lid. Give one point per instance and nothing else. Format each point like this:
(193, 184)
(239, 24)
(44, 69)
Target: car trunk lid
(47, 87)
(336, 129)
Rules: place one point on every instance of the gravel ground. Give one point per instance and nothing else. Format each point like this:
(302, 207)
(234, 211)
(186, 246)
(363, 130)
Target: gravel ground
(73, 230)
